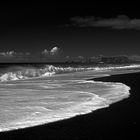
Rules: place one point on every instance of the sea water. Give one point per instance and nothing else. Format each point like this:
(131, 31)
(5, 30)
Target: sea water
(34, 96)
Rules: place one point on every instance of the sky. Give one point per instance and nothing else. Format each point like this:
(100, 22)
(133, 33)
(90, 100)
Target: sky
(41, 32)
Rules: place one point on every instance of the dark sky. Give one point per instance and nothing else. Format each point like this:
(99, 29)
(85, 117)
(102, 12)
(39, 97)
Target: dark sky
(77, 29)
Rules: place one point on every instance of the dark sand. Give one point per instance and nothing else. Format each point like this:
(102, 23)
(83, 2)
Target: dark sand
(119, 121)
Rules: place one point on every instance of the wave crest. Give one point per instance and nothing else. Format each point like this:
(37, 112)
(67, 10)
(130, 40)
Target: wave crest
(18, 73)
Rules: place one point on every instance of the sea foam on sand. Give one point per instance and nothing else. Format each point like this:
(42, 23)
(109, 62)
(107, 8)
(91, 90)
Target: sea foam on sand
(29, 103)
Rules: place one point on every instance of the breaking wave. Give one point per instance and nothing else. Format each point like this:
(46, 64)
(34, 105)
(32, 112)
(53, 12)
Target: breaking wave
(21, 73)
(26, 104)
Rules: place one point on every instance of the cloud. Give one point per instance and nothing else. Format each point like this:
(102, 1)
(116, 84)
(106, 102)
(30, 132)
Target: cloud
(44, 56)
(120, 22)
(13, 54)
(80, 57)
(9, 53)
(45, 52)
(54, 51)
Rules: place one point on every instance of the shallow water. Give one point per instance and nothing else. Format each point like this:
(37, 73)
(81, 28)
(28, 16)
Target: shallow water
(31, 102)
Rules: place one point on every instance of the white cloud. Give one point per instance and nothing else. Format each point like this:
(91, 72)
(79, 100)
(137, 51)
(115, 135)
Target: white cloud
(45, 52)
(13, 53)
(80, 57)
(9, 53)
(54, 51)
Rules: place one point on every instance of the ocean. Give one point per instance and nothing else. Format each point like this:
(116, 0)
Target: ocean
(37, 102)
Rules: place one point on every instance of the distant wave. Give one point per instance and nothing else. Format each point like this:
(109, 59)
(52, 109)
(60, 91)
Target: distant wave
(21, 73)
(18, 73)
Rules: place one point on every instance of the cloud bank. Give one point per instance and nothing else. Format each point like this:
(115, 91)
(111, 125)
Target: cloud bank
(45, 55)
(8, 53)
(119, 22)
(13, 54)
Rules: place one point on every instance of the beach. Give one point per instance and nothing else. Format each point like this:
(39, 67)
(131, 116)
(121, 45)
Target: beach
(118, 121)
(69, 71)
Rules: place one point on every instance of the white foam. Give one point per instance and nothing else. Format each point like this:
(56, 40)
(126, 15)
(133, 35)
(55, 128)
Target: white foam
(42, 102)
(49, 70)
(41, 114)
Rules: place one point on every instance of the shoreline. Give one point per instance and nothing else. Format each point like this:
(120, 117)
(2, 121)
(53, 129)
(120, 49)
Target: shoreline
(95, 120)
